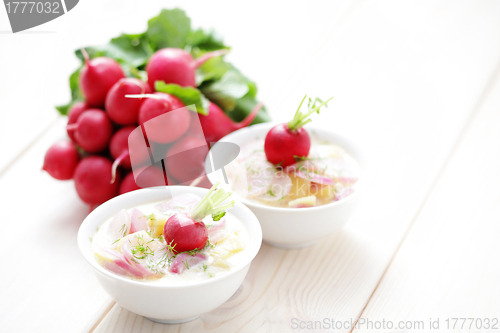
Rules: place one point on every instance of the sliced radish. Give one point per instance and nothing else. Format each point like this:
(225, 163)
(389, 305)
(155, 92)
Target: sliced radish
(117, 263)
(214, 227)
(183, 203)
(185, 261)
(119, 227)
(346, 180)
(314, 177)
(145, 253)
(218, 236)
(110, 234)
(138, 221)
(259, 174)
(109, 265)
(237, 176)
(346, 192)
(216, 231)
(334, 167)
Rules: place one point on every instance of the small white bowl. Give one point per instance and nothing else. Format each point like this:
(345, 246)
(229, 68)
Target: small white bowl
(294, 228)
(168, 304)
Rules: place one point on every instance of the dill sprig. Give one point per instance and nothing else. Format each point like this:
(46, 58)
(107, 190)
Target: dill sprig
(123, 230)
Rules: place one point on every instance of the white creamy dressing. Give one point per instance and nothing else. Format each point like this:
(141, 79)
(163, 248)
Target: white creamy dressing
(329, 172)
(228, 238)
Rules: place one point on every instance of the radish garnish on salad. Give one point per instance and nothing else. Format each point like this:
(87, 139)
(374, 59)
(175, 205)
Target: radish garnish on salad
(186, 238)
(287, 142)
(291, 168)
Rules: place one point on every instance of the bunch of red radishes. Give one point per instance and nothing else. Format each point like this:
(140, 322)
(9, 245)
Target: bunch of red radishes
(101, 128)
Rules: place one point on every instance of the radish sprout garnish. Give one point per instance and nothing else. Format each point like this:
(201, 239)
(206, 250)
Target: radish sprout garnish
(188, 231)
(209, 205)
(300, 119)
(288, 142)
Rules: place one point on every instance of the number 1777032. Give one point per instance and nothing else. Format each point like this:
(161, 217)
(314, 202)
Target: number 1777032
(32, 7)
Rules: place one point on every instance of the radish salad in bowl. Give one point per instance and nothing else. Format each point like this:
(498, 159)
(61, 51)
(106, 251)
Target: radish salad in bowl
(291, 169)
(181, 240)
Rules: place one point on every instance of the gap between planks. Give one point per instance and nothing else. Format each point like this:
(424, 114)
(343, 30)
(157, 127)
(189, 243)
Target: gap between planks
(29, 146)
(103, 315)
(346, 14)
(465, 129)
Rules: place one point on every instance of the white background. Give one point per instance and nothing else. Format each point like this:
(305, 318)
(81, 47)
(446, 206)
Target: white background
(416, 83)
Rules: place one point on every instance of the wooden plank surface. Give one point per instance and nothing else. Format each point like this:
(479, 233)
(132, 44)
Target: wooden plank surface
(397, 72)
(46, 284)
(36, 69)
(57, 290)
(448, 266)
(407, 103)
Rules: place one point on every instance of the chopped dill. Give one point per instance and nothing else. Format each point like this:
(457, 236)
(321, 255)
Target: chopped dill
(209, 245)
(192, 252)
(299, 158)
(142, 251)
(170, 248)
(123, 230)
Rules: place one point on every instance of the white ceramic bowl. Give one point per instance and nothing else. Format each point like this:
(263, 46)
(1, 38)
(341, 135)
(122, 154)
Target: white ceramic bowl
(297, 227)
(168, 304)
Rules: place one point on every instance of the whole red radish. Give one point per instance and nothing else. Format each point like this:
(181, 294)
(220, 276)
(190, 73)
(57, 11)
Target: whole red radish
(287, 143)
(151, 176)
(195, 128)
(163, 129)
(118, 146)
(92, 130)
(122, 144)
(217, 124)
(93, 180)
(173, 65)
(159, 150)
(122, 110)
(97, 77)
(187, 232)
(61, 160)
(185, 160)
(119, 150)
(128, 184)
(74, 112)
(148, 177)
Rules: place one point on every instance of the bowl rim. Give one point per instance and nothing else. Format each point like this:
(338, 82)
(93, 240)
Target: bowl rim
(88, 255)
(248, 131)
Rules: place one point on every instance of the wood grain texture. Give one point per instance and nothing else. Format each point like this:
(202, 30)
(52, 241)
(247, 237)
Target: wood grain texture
(36, 69)
(408, 104)
(281, 285)
(46, 284)
(51, 284)
(397, 71)
(448, 266)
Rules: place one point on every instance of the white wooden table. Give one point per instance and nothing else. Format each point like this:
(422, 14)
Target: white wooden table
(417, 83)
